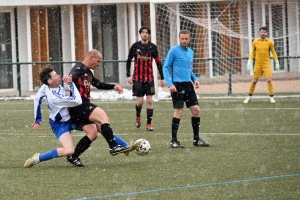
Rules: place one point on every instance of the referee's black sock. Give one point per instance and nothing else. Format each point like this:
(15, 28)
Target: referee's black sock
(81, 146)
(175, 125)
(108, 135)
(196, 126)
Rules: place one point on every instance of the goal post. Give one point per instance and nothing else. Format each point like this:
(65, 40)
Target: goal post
(222, 33)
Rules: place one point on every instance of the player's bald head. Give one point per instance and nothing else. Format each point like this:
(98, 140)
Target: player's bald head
(95, 53)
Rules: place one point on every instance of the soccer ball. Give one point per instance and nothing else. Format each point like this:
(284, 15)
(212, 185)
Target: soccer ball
(143, 148)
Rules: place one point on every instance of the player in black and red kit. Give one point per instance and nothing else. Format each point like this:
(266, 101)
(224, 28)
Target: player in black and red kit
(142, 79)
(88, 115)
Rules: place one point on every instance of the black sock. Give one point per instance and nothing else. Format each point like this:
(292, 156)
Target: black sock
(81, 146)
(196, 127)
(149, 115)
(175, 125)
(138, 111)
(108, 135)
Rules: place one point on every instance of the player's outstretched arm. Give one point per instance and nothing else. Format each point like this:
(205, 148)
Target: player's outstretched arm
(119, 89)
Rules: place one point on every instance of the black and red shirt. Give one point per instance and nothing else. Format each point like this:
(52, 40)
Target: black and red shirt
(84, 78)
(143, 55)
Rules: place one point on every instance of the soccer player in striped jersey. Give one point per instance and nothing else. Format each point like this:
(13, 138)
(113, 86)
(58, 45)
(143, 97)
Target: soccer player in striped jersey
(261, 48)
(59, 117)
(88, 115)
(181, 81)
(142, 79)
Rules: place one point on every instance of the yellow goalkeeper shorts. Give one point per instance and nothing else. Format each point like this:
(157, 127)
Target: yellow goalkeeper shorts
(262, 71)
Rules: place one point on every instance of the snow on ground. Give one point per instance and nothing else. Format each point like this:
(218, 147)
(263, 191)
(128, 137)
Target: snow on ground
(107, 95)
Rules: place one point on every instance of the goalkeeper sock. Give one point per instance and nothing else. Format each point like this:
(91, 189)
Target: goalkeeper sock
(175, 125)
(81, 146)
(251, 88)
(196, 127)
(271, 88)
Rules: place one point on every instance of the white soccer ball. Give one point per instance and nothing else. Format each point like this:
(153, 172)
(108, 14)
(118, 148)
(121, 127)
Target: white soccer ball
(143, 148)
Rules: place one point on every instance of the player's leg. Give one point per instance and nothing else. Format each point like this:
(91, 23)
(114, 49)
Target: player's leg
(251, 90)
(149, 100)
(67, 148)
(268, 74)
(99, 116)
(83, 144)
(192, 103)
(138, 110)
(195, 121)
(118, 139)
(178, 104)
(258, 71)
(271, 90)
(137, 91)
(63, 135)
(149, 91)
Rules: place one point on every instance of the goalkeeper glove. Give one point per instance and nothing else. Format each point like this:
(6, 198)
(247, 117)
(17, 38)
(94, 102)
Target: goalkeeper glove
(277, 65)
(249, 64)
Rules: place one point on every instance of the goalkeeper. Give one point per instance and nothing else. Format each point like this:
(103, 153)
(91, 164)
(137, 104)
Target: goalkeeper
(261, 48)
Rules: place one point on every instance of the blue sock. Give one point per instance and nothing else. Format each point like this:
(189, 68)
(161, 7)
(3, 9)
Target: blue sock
(49, 155)
(120, 141)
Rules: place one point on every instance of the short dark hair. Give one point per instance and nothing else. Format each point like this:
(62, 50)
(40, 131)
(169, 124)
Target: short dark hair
(263, 28)
(45, 74)
(144, 27)
(184, 32)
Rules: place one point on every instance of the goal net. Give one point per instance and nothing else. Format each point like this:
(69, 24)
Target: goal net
(222, 35)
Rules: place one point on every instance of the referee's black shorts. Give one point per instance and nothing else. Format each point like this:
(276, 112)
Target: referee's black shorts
(185, 93)
(80, 114)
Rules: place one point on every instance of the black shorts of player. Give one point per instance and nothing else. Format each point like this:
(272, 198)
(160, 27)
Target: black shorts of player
(140, 89)
(185, 93)
(80, 114)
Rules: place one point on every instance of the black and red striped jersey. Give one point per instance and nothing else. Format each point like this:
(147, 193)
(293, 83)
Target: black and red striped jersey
(143, 55)
(84, 78)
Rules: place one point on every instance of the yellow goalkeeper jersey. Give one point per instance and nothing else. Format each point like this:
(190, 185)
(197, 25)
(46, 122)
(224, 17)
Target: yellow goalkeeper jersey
(261, 51)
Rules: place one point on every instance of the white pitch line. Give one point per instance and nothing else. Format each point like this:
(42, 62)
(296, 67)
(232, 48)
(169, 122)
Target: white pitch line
(238, 134)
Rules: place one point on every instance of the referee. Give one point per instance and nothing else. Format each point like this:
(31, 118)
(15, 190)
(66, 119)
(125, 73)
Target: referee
(181, 80)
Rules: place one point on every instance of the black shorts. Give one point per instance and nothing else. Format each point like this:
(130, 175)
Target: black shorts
(185, 93)
(140, 89)
(80, 114)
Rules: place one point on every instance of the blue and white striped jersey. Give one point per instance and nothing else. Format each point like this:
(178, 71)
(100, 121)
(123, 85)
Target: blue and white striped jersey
(57, 102)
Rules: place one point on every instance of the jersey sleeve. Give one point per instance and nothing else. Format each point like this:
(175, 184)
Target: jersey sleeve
(167, 69)
(251, 56)
(100, 85)
(131, 55)
(272, 48)
(38, 103)
(158, 62)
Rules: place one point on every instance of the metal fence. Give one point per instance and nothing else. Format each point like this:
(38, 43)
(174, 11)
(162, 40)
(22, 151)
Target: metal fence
(21, 79)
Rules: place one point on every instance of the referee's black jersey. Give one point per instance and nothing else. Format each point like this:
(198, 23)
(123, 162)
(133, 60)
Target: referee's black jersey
(143, 55)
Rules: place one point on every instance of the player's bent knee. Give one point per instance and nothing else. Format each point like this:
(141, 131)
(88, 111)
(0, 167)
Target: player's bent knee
(69, 151)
